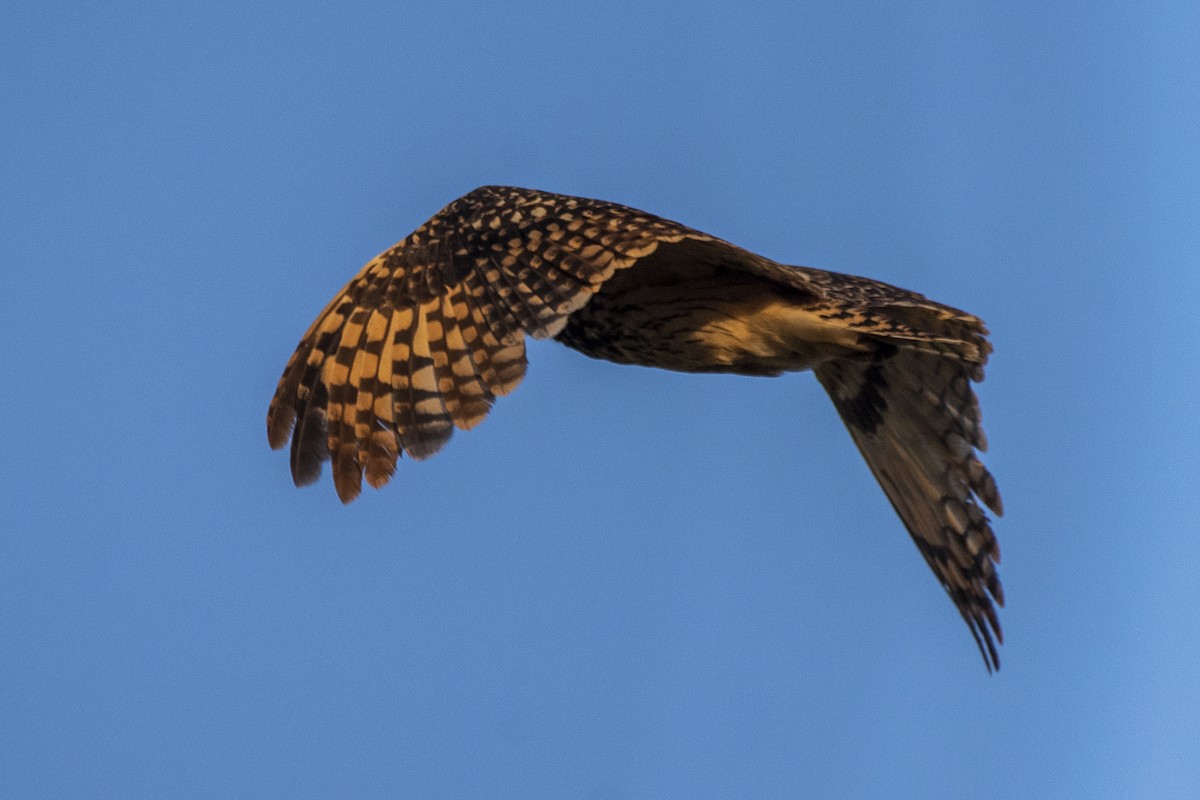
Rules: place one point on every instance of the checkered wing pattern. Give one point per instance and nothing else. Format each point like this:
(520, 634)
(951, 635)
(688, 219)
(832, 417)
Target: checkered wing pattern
(429, 332)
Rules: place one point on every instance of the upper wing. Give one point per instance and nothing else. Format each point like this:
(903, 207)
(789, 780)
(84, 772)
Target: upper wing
(429, 332)
(915, 418)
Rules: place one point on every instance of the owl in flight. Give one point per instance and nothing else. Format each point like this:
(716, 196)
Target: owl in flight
(431, 331)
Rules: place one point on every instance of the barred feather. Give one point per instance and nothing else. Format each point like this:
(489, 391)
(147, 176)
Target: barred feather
(431, 331)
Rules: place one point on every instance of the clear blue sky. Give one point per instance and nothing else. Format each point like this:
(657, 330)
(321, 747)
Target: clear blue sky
(624, 584)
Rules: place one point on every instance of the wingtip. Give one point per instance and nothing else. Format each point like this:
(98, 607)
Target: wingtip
(983, 633)
(347, 473)
(382, 455)
(281, 419)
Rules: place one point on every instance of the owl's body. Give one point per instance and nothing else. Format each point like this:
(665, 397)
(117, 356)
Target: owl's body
(425, 337)
(775, 329)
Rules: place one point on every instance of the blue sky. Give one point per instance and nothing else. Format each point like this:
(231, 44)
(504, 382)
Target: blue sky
(624, 583)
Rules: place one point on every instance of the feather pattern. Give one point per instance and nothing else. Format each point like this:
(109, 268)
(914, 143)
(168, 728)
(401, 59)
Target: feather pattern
(915, 420)
(428, 333)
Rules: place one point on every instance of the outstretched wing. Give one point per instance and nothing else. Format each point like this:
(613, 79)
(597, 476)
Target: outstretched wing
(911, 411)
(429, 332)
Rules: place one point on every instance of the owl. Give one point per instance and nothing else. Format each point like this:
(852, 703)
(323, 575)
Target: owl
(430, 332)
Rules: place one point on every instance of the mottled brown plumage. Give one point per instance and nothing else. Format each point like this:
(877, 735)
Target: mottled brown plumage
(431, 331)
